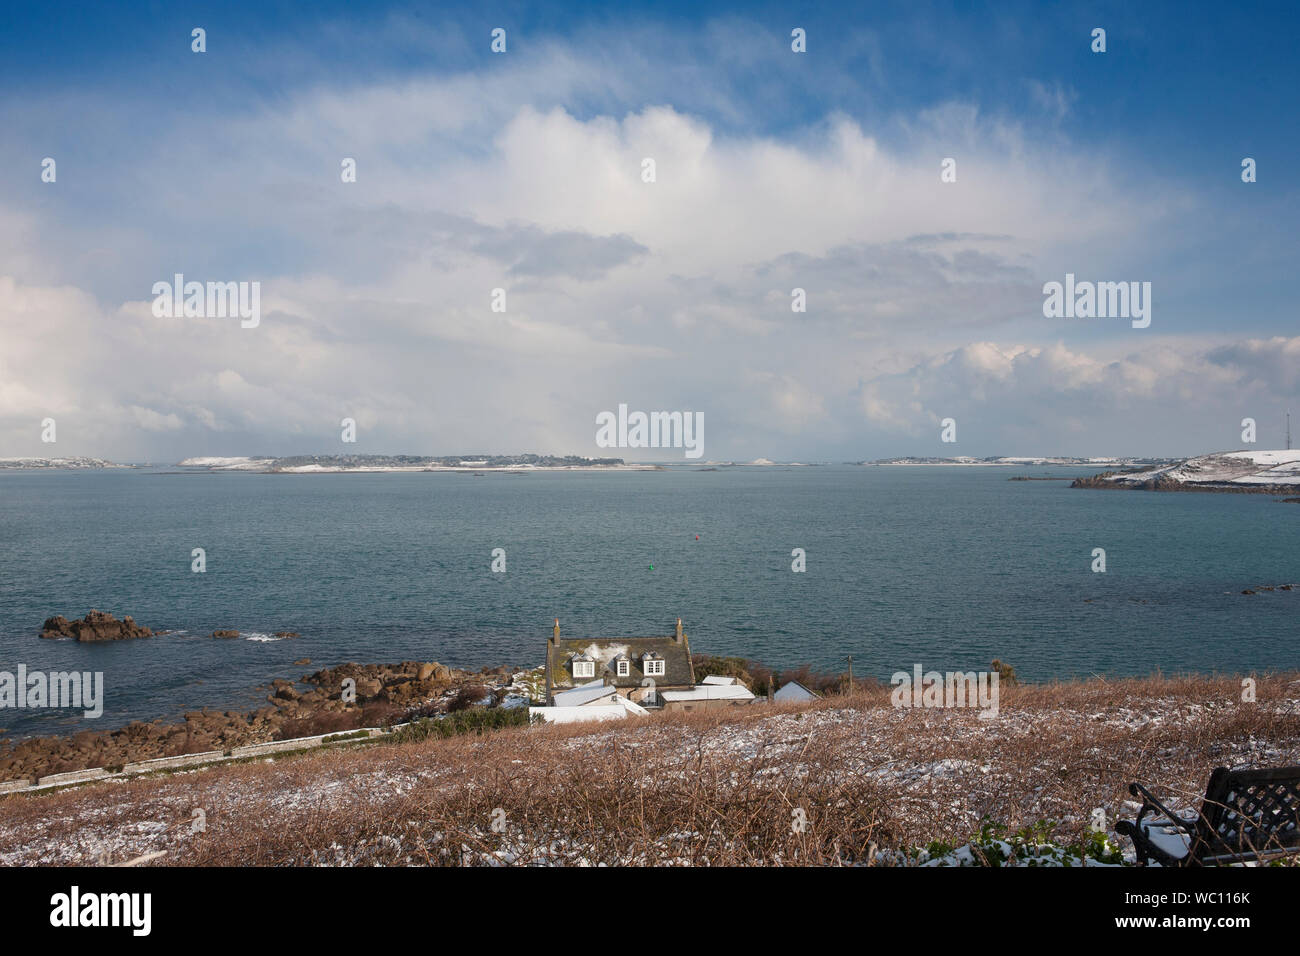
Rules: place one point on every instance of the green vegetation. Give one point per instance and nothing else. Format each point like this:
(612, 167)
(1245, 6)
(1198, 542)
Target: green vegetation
(752, 674)
(476, 721)
(1029, 846)
(354, 735)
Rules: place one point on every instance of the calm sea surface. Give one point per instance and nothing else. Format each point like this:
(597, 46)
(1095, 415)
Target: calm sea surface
(944, 566)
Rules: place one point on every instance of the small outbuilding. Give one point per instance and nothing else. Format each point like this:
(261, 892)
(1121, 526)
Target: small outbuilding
(794, 692)
(712, 693)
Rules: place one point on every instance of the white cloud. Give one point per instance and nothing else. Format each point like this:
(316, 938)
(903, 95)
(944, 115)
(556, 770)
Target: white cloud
(1183, 399)
(673, 294)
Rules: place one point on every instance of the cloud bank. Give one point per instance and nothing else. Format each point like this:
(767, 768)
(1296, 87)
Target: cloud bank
(923, 298)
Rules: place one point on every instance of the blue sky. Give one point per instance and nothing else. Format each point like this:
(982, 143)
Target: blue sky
(817, 170)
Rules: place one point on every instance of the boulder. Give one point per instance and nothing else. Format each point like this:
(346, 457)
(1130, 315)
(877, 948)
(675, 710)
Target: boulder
(433, 671)
(284, 690)
(225, 634)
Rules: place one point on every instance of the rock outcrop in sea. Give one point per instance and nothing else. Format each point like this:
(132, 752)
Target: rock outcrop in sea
(95, 626)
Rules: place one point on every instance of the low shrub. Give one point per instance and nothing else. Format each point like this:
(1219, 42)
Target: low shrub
(325, 722)
(466, 697)
(460, 722)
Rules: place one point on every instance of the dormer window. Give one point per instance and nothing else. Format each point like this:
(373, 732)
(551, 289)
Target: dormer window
(653, 666)
(623, 667)
(584, 667)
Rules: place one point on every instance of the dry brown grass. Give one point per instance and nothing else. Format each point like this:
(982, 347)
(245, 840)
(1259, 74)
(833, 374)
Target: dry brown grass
(713, 787)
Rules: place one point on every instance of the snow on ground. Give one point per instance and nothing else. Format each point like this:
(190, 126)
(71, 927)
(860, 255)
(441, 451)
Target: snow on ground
(933, 764)
(266, 464)
(1265, 467)
(378, 469)
(225, 464)
(1288, 456)
(58, 463)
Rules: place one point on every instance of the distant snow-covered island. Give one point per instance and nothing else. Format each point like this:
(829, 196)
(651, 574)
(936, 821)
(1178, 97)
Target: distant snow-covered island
(75, 462)
(1260, 472)
(1004, 460)
(756, 463)
(335, 464)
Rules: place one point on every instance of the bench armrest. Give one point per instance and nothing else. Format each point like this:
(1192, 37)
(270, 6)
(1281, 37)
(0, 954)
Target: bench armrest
(1145, 848)
(1149, 803)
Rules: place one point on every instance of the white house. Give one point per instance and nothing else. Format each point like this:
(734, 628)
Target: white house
(636, 667)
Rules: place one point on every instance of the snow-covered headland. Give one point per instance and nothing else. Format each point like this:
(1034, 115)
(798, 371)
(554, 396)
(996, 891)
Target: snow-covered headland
(1267, 472)
(1006, 461)
(74, 462)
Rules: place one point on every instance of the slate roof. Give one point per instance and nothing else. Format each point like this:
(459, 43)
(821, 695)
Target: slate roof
(678, 670)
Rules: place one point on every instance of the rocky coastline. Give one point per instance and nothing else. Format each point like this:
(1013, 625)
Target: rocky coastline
(330, 700)
(1107, 479)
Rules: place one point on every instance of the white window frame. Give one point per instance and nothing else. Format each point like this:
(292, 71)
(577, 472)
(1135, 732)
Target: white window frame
(624, 668)
(655, 668)
(584, 668)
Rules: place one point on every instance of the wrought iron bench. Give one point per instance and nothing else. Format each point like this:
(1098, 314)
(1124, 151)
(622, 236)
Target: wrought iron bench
(1247, 815)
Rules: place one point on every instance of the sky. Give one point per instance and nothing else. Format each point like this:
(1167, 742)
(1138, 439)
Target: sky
(523, 171)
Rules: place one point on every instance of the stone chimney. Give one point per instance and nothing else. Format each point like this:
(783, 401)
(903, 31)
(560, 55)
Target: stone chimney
(678, 636)
(555, 635)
